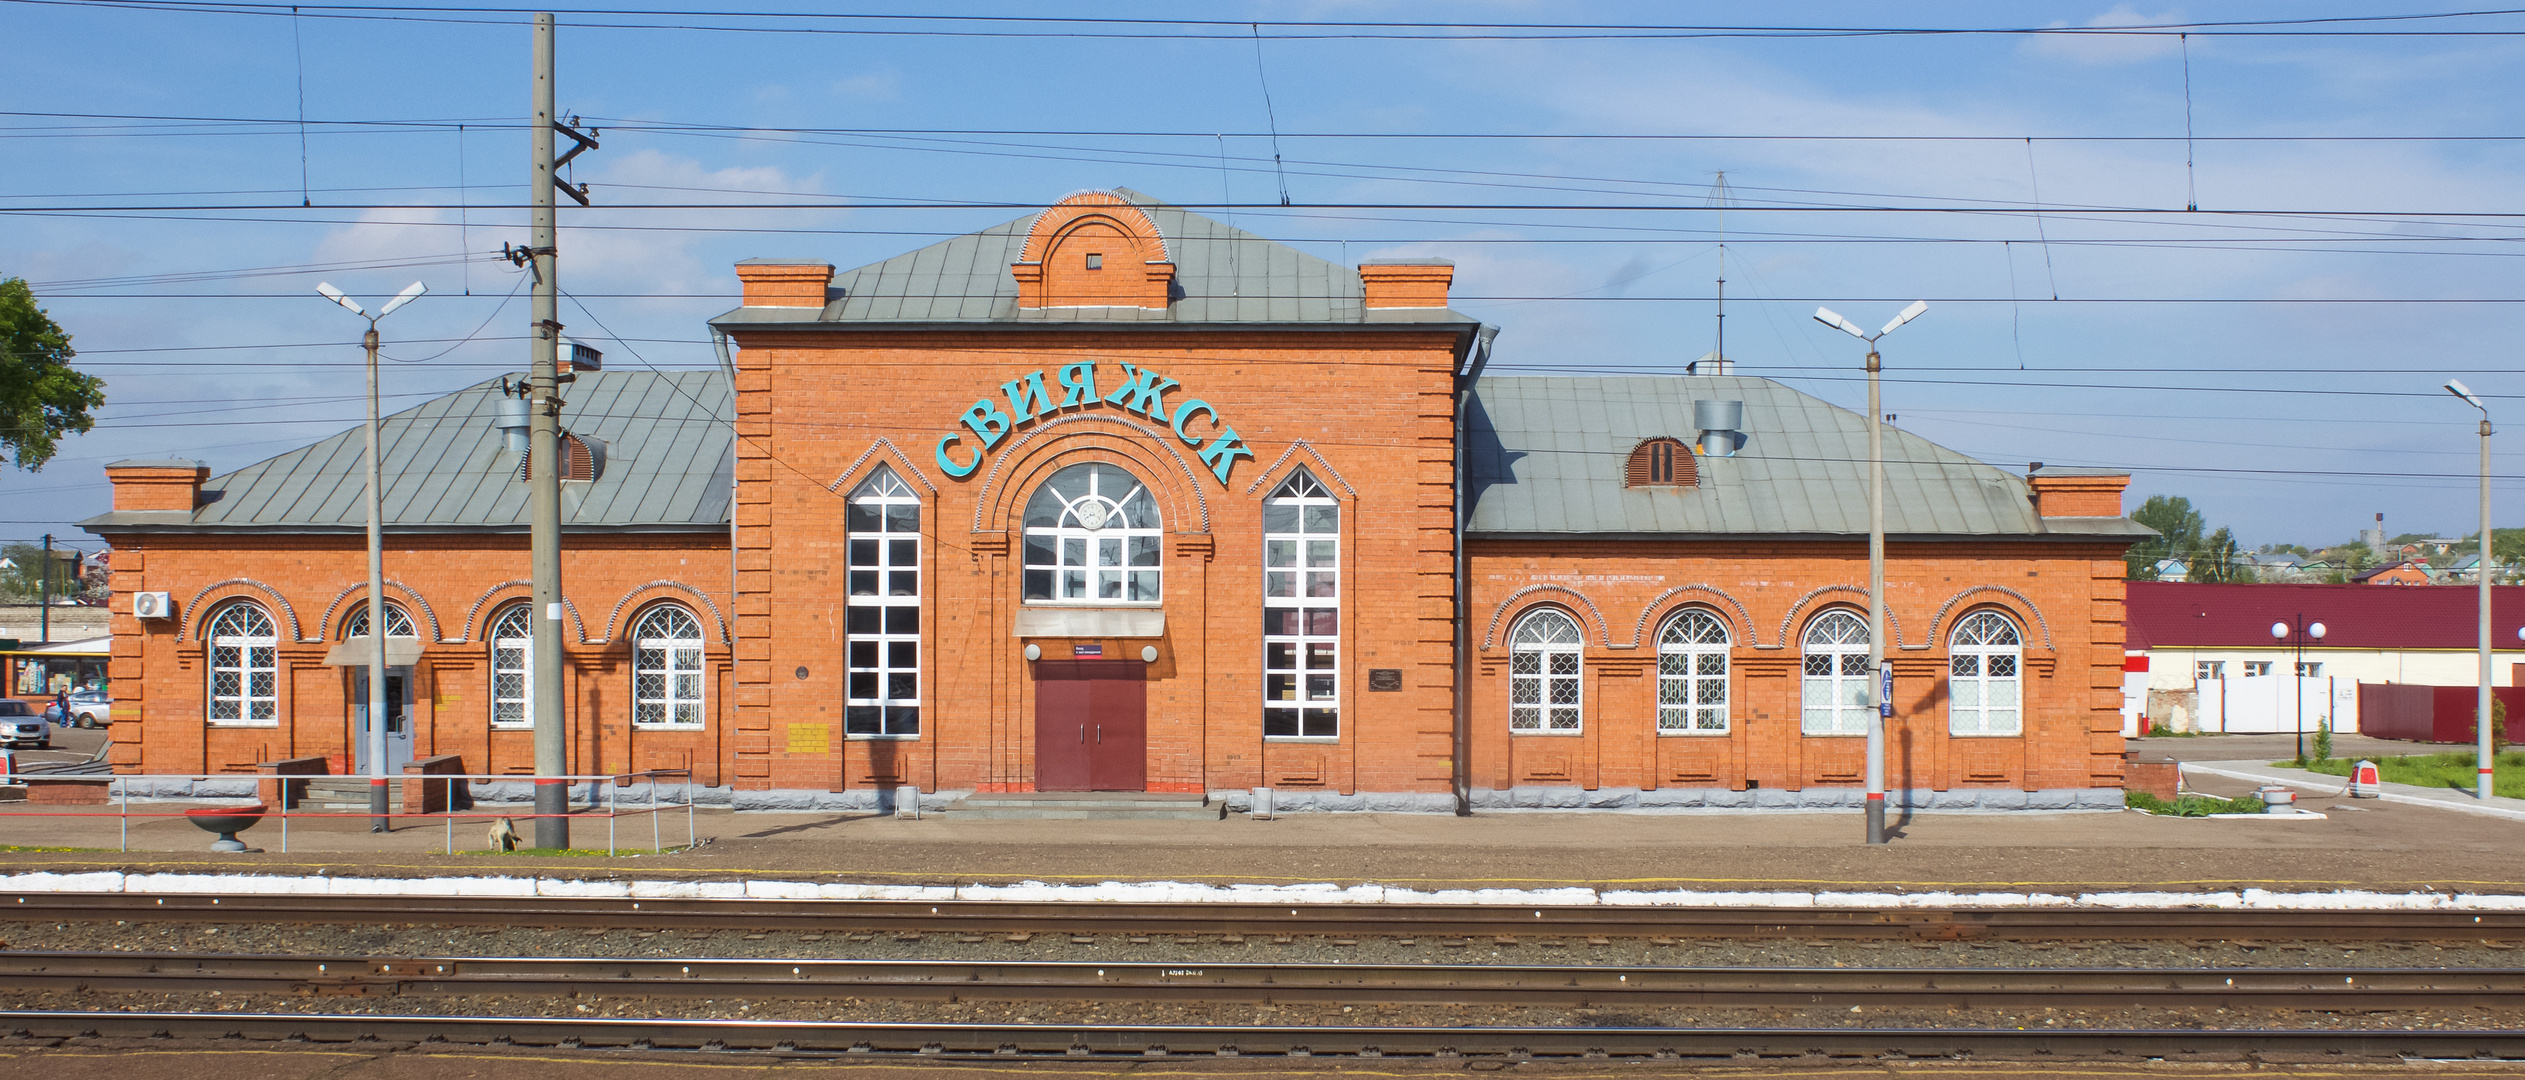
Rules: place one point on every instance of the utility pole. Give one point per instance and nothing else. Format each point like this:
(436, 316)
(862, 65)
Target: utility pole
(45, 608)
(552, 797)
(552, 737)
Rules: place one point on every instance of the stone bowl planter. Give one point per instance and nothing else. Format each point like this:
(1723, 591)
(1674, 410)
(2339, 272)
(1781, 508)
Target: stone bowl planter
(227, 821)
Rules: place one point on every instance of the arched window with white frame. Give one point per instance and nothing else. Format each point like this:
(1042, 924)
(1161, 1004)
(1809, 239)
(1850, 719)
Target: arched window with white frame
(1692, 653)
(1835, 694)
(666, 668)
(1093, 536)
(513, 667)
(398, 621)
(244, 666)
(883, 623)
(1544, 664)
(1301, 610)
(1984, 676)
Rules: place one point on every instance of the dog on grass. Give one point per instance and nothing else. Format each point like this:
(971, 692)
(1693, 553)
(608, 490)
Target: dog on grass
(503, 836)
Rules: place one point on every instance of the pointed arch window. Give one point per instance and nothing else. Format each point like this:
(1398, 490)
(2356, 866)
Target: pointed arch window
(1692, 654)
(244, 666)
(1984, 684)
(666, 671)
(513, 667)
(883, 698)
(1543, 673)
(1302, 610)
(1093, 536)
(1835, 689)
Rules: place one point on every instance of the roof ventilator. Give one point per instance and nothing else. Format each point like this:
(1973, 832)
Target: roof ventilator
(510, 416)
(1719, 422)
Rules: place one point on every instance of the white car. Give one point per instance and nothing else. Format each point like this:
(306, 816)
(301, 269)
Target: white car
(91, 708)
(21, 725)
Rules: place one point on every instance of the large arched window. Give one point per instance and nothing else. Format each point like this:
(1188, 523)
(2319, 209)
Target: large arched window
(666, 672)
(884, 622)
(1092, 537)
(1692, 674)
(1543, 671)
(244, 666)
(398, 621)
(1983, 685)
(1302, 610)
(512, 666)
(1836, 675)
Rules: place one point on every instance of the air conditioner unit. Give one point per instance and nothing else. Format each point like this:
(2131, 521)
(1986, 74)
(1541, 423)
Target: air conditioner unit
(153, 605)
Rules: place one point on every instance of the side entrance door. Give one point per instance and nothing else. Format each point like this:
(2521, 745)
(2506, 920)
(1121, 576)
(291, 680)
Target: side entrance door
(398, 718)
(1091, 725)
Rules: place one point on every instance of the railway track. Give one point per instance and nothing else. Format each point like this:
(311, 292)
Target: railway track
(1334, 920)
(944, 1041)
(1470, 984)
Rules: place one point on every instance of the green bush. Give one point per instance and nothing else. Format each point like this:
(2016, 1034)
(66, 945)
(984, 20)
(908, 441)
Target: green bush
(2191, 805)
(2323, 740)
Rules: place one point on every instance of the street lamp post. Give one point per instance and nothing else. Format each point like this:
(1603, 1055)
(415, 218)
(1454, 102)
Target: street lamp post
(2481, 570)
(2297, 636)
(1879, 680)
(378, 707)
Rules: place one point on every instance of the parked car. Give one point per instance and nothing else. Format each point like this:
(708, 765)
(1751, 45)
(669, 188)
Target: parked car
(21, 725)
(91, 708)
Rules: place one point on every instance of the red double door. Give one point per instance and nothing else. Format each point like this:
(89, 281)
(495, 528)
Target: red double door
(1091, 725)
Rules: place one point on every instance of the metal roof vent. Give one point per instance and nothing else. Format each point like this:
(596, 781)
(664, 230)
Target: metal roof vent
(1719, 423)
(510, 416)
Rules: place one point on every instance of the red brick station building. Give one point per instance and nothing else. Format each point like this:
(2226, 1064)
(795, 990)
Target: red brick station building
(1118, 497)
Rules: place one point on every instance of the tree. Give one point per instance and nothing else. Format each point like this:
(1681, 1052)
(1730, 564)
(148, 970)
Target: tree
(2220, 559)
(42, 397)
(22, 573)
(2178, 534)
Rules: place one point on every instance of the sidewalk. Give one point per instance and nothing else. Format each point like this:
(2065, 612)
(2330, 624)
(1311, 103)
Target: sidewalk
(2326, 786)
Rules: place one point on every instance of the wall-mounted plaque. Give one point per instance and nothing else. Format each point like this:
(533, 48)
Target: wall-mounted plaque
(1385, 678)
(1097, 649)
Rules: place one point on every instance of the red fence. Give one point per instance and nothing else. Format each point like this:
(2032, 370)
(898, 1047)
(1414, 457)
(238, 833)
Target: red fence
(2436, 714)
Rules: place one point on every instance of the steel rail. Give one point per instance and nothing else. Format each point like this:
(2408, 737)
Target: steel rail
(1119, 1041)
(1382, 920)
(1483, 984)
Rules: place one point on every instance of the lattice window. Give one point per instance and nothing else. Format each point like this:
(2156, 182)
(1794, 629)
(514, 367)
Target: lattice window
(1692, 674)
(513, 667)
(1835, 690)
(883, 623)
(244, 666)
(1544, 672)
(398, 621)
(1302, 610)
(1984, 677)
(1093, 536)
(666, 671)
(1661, 462)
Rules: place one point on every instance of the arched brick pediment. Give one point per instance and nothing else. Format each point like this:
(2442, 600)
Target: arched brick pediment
(1094, 249)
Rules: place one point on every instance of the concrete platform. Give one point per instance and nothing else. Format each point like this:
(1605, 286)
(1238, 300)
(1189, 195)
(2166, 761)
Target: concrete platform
(1085, 806)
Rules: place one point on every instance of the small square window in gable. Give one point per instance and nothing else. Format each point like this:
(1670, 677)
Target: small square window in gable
(1661, 462)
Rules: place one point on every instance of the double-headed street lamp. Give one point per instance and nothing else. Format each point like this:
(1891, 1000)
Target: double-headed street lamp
(2298, 636)
(1880, 688)
(378, 707)
(2481, 570)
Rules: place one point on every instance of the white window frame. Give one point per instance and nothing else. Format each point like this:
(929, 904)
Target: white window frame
(660, 649)
(398, 622)
(882, 616)
(1835, 701)
(244, 626)
(1077, 520)
(1547, 674)
(2253, 668)
(1982, 699)
(512, 632)
(1302, 685)
(2310, 669)
(1694, 653)
(2209, 669)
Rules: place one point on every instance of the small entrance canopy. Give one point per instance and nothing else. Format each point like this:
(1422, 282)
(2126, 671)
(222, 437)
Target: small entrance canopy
(358, 651)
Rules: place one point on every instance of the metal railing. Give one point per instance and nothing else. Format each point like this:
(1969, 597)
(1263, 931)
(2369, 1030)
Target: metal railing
(604, 798)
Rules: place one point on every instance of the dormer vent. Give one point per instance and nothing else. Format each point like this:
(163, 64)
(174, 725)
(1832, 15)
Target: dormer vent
(1721, 425)
(1661, 462)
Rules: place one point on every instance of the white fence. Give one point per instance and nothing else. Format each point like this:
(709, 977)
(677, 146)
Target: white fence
(2274, 704)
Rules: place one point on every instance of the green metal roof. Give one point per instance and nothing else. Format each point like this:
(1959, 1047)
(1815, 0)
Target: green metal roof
(668, 463)
(1547, 457)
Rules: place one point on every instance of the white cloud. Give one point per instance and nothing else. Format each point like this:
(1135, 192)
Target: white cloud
(2103, 49)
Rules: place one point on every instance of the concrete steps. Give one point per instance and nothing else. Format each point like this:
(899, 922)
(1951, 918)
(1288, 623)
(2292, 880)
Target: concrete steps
(1084, 805)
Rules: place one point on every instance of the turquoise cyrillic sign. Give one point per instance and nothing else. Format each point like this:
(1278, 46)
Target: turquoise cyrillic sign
(1140, 391)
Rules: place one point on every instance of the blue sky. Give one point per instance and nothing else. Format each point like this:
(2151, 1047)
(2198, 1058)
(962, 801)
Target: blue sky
(2274, 356)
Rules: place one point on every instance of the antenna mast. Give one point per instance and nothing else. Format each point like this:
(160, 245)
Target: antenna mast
(1717, 359)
